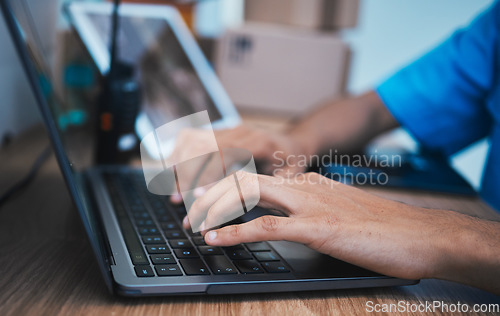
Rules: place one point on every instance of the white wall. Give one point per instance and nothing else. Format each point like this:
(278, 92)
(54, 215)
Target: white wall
(392, 33)
(214, 16)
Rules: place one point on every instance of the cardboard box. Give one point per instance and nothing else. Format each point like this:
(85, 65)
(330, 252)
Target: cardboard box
(316, 14)
(273, 69)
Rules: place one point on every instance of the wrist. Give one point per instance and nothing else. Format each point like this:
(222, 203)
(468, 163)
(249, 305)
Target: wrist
(465, 250)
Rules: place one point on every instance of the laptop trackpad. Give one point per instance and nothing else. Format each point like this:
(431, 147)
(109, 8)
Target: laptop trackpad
(309, 263)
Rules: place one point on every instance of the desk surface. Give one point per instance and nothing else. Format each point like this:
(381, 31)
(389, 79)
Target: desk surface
(48, 268)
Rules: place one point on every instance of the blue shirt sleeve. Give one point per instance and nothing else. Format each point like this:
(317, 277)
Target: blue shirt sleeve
(441, 97)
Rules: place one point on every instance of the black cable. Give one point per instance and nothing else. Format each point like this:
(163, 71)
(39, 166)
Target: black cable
(29, 177)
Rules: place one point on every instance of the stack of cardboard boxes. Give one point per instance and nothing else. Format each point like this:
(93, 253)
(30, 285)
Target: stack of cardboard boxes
(287, 57)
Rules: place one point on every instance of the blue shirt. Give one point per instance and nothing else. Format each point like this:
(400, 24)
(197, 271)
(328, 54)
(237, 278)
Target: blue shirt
(450, 97)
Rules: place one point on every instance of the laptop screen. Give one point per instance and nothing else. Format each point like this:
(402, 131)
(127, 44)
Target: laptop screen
(67, 81)
(65, 74)
(65, 84)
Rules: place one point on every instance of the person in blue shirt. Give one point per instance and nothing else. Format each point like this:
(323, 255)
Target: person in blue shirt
(447, 99)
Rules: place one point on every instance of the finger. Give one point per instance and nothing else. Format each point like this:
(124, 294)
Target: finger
(226, 209)
(193, 148)
(185, 222)
(189, 172)
(265, 191)
(176, 198)
(199, 209)
(186, 177)
(274, 193)
(261, 229)
(192, 183)
(198, 192)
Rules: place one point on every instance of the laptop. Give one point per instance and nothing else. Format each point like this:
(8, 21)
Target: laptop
(137, 237)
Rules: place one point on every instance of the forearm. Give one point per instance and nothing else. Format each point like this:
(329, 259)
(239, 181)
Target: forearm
(473, 253)
(344, 125)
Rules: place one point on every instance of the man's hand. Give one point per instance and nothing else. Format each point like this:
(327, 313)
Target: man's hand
(269, 149)
(344, 222)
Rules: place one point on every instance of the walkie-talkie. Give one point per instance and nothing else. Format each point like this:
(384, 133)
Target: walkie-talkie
(119, 105)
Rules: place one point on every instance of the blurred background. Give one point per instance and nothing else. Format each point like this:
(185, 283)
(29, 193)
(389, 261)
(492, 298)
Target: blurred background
(337, 47)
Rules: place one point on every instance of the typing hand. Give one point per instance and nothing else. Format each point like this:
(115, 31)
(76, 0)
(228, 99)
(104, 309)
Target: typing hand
(342, 221)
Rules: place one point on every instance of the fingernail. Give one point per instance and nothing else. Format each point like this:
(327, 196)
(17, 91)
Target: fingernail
(211, 235)
(176, 198)
(185, 221)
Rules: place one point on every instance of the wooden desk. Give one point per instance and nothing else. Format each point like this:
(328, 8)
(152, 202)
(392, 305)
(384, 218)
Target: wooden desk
(47, 266)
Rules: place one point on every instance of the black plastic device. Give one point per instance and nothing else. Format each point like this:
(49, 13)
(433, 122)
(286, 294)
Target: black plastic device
(119, 105)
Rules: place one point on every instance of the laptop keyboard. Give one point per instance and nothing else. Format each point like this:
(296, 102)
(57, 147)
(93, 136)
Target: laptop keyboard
(159, 246)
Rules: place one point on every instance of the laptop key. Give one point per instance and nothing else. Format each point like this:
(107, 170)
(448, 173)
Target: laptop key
(160, 212)
(144, 271)
(162, 259)
(180, 243)
(169, 225)
(185, 253)
(233, 248)
(148, 230)
(134, 246)
(248, 266)
(175, 234)
(266, 256)
(144, 222)
(138, 257)
(220, 265)
(210, 251)
(142, 215)
(258, 246)
(163, 218)
(155, 239)
(275, 267)
(168, 270)
(239, 255)
(180, 210)
(199, 241)
(137, 208)
(157, 249)
(194, 267)
(157, 205)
